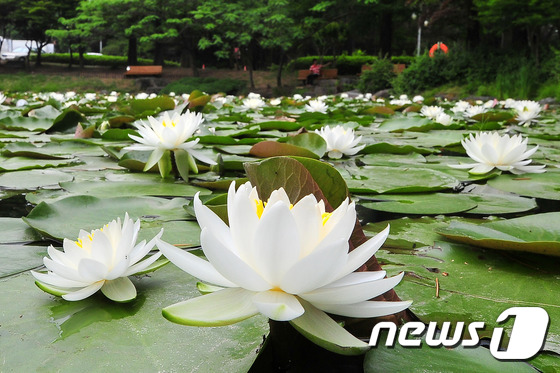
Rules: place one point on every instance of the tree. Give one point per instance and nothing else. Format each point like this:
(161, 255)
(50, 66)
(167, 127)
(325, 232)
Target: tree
(33, 18)
(537, 18)
(78, 32)
(6, 18)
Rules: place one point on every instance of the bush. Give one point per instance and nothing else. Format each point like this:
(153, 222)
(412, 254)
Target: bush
(208, 85)
(378, 78)
(426, 72)
(346, 65)
(92, 60)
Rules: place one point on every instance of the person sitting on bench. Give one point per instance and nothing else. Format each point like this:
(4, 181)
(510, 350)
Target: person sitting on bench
(314, 71)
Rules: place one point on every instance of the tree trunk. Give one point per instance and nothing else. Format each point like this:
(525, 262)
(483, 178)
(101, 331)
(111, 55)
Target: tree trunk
(158, 53)
(70, 61)
(39, 50)
(386, 32)
(132, 51)
(280, 67)
(81, 57)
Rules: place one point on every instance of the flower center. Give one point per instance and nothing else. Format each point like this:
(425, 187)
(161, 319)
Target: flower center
(80, 243)
(165, 124)
(261, 205)
(325, 217)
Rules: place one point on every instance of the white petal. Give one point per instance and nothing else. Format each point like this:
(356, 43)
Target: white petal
(352, 293)
(193, 265)
(278, 305)
(230, 265)
(364, 309)
(139, 267)
(119, 290)
(277, 243)
(92, 270)
(55, 280)
(316, 269)
(222, 307)
(481, 169)
(363, 253)
(85, 292)
(154, 158)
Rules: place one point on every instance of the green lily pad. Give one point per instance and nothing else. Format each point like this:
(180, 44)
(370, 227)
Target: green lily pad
(310, 141)
(544, 185)
(494, 204)
(538, 233)
(101, 334)
(104, 188)
(15, 259)
(65, 218)
(384, 147)
(370, 179)
(14, 230)
(33, 179)
(421, 203)
(476, 285)
(411, 233)
(433, 360)
(406, 124)
(24, 163)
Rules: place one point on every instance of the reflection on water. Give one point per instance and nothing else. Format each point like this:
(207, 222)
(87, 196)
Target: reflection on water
(14, 207)
(71, 317)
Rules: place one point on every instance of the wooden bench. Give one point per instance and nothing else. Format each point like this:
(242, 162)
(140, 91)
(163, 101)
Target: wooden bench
(143, 70)
(325, 74)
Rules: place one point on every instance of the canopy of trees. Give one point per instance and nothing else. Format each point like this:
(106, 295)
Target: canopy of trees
(262, 33)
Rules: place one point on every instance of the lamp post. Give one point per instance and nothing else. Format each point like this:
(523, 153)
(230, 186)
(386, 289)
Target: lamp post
(414, 16)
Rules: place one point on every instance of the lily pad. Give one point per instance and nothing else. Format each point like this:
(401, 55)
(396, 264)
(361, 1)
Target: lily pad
(33, 179)
(101, 334)
(65, 218)
(14, 230)
(544, 185)
(421, 203)
(538, 233)
(15, 259)
(433, 360)
(476, 284)
(130, 188)
(398, 180)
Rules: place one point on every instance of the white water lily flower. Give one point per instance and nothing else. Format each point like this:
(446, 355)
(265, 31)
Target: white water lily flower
(169, 133)
(275, 102)
(2, 98)
(431, 112)
(471, 111)
(253, 103)
(527, 112)
(316, 106)
(340, 141)
(490, 150)
(253, 95)
(460, 107)
(273, 255)
(417, 99)
(99, 260)
(443, 118)
(142, 96)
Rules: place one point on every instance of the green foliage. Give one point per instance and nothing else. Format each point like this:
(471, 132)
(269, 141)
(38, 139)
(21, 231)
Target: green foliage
(93, 60)
(208, 85)
(346, 65)
(378, 78)
(426, 72)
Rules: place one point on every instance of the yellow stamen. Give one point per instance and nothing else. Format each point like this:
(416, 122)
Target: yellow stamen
(80, 243)
(260, 207)
(325, 217)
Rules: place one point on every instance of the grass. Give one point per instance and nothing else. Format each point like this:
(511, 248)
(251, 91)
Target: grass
(25, 82)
